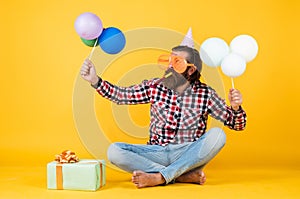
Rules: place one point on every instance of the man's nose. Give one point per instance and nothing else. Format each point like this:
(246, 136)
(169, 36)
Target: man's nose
(170, 66)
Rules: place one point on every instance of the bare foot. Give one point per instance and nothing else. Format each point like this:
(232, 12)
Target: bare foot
(194, 176)
(142, 179)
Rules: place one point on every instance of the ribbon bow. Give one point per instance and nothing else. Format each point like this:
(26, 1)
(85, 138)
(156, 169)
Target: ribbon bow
(66, 156)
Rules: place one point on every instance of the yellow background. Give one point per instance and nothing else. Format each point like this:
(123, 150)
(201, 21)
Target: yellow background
(41, 55)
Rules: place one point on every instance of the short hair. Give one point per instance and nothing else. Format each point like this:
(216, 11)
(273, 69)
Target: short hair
(193, 58)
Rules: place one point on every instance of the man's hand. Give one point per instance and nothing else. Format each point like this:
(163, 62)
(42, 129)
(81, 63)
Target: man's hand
(235, 98)
(88, 72)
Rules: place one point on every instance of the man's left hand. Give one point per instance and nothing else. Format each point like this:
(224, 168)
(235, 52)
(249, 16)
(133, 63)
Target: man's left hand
(235, 98)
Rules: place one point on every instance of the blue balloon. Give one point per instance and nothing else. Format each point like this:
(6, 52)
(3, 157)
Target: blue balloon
(112, 40)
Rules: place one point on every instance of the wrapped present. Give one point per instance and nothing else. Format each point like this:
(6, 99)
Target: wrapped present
(88, 175)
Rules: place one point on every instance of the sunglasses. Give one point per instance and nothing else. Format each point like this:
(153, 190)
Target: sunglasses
(179, 64)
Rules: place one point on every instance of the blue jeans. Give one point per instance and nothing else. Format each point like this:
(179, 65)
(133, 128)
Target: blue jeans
(172, 160)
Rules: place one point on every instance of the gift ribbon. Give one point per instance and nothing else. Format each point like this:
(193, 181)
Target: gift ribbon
(101, 175)
(59, 175)
(59, 178)
(66, 156)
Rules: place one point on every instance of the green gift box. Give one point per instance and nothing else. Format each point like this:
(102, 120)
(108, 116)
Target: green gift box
(88, 175)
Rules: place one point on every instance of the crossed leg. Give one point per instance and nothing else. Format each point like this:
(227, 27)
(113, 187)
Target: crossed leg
(154, 170)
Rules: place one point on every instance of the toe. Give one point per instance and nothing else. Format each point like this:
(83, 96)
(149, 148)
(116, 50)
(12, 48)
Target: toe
(202, 178)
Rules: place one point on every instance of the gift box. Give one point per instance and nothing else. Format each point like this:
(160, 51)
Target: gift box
(88, 175)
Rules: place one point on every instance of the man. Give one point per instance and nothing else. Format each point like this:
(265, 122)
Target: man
(179, 144)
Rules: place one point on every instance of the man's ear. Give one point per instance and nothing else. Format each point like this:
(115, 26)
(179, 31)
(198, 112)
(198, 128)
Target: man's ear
(191, 70)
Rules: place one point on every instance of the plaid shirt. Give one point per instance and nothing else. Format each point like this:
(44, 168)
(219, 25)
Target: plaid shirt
(175, 118)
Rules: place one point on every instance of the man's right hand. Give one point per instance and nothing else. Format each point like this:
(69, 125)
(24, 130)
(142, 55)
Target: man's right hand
(88, 72)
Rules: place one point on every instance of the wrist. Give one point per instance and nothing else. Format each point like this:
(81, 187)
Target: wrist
(235, 108)
(95, 82)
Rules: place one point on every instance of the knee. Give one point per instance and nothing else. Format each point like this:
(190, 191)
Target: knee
(114, 152)
(218, 135)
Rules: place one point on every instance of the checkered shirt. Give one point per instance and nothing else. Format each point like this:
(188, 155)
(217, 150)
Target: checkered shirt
(175, 118)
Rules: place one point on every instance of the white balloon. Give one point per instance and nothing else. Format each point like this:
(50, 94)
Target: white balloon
(244, 45)
(213, 50)
(233, 65)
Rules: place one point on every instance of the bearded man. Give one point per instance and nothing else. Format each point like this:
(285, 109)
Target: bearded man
(179, 144)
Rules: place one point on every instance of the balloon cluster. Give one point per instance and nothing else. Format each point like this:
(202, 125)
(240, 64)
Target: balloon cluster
(215, 52)
(90, 29)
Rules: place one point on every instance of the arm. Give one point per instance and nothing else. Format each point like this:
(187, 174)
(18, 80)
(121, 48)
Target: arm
(136, 94)
(232, 116)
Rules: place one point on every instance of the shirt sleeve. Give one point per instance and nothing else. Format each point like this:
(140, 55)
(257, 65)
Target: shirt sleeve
(136, 94)
(217, 108)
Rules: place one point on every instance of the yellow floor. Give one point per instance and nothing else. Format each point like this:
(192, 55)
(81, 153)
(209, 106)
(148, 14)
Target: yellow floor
(30, 182)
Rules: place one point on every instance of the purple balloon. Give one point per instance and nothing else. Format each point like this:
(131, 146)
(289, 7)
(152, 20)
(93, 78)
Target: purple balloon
(88, 26)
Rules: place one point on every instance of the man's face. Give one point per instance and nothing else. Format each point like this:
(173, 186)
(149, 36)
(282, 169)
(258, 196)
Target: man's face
(176, 79)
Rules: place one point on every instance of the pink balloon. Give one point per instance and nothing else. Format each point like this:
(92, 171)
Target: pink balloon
(88, 26)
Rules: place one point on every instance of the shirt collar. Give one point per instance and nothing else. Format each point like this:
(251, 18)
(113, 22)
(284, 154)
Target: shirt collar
(191, 88)
(194, 87)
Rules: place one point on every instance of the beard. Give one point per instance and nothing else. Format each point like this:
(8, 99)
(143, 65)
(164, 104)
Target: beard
(175, 80)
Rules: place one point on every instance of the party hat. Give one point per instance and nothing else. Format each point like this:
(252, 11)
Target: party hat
(188, 39)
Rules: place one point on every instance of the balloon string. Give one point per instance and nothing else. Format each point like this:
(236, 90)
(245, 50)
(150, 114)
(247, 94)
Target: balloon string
(95, 44)
(232, 83)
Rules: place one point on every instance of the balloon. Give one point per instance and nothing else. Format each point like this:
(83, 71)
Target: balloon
(89, 43)
(213, 50)
(245, 46)
(88, 26)
(112, 40)
(233, 65)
